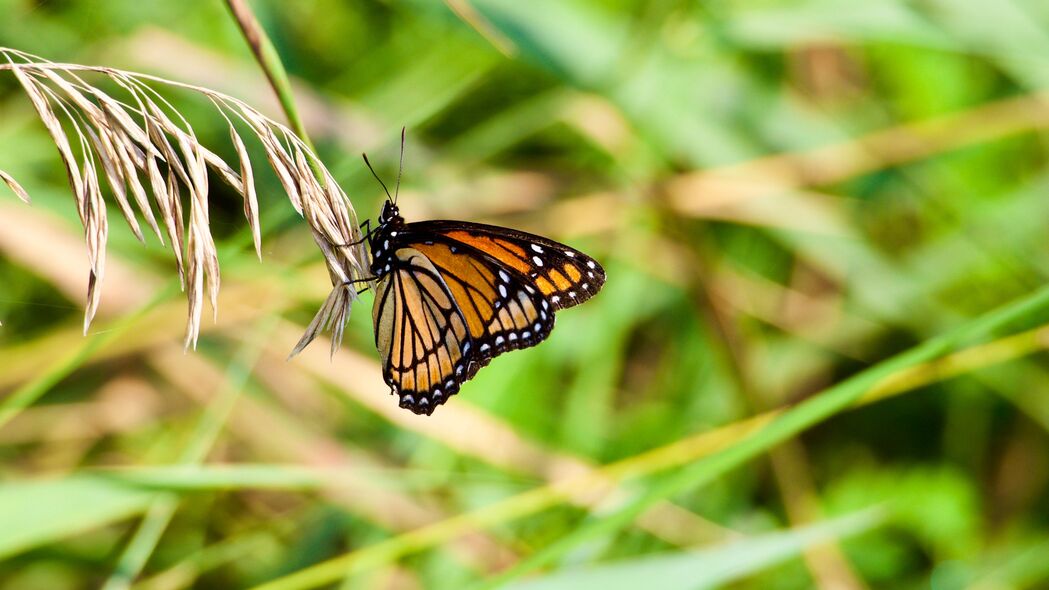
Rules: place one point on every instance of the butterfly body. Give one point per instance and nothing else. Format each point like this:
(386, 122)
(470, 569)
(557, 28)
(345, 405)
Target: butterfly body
(390, 225)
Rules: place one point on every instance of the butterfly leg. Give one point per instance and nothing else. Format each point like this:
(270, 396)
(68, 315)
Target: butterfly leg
(364, 280)
(367, 234)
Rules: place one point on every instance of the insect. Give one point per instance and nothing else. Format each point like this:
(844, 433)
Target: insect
(451, 296)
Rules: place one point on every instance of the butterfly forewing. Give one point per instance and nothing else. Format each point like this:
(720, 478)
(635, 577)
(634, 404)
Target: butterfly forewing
(564, 275)
(502, 309)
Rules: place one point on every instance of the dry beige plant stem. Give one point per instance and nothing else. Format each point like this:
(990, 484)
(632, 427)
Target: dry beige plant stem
(145, 148)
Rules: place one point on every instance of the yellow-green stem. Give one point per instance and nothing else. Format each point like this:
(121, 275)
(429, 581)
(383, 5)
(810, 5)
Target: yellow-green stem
(271, 65)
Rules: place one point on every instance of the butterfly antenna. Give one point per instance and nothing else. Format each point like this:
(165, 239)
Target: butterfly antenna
(400, 170)
(377, 176)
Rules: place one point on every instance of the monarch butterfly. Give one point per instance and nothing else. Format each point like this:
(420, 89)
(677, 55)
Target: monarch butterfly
(451, 296)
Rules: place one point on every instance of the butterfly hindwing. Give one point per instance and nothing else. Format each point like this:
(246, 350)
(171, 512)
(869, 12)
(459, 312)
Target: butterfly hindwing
(420, 332)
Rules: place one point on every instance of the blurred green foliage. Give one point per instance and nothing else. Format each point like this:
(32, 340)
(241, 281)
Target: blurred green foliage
(783, 194)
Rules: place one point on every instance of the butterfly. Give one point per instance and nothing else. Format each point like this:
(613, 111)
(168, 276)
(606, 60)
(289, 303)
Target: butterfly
(452, 295)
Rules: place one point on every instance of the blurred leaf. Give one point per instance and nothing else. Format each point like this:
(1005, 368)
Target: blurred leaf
(815, 21)
(938, 506)
(187, 478)
(34, 513)
(710, 567)
(680, 102)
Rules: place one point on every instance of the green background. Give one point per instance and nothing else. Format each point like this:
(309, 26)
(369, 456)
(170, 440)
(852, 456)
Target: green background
(783, 194)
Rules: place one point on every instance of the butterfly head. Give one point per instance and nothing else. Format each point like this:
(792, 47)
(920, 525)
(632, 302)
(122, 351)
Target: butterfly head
(390, 212)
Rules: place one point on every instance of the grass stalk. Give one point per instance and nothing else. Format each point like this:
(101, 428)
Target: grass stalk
(272, 66)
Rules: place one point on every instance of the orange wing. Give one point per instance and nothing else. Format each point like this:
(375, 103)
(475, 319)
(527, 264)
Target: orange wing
(502, 310)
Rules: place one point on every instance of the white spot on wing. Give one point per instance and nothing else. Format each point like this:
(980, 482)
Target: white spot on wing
(537, 260)
(504, 276)
(498, 340)
(502, 290)
(555, 298)
(513, 336)
(569, 253)
(537, 248)
(590, 264)
(571, 294)
(484, 347)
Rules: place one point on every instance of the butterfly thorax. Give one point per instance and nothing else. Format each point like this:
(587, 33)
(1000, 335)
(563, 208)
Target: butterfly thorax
(382, 239)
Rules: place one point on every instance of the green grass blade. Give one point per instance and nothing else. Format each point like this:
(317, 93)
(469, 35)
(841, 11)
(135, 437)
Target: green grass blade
(194, 478)
(35, 513)
(711, 567)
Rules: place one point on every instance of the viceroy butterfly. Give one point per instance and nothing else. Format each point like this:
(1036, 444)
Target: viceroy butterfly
(452, 295)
